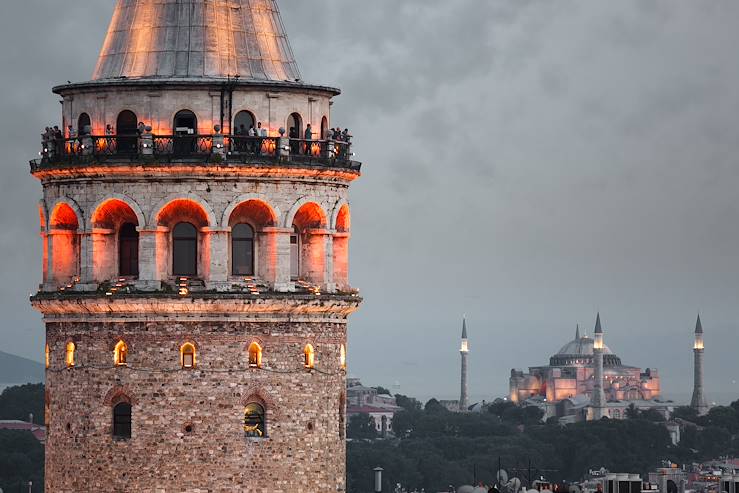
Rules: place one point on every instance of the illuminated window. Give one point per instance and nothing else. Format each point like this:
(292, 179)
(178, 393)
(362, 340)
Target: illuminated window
(187, 355)
(71, 348)
(310, 357)
(254, 423)
(342, 357)
(242, 250)
(120, 354)
(46, 351)
(255, 355)
(185, 250)
(122, 420)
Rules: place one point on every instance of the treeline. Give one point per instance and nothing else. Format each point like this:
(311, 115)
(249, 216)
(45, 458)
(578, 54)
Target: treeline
(21, 454)
(435, 448)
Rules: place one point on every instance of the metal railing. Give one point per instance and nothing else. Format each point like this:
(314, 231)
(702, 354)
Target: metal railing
(199, 148)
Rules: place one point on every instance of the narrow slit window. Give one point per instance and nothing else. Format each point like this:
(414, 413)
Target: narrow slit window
(255, 355)
(120, 354)
(187, 353)
(70, 358)
(310, 357)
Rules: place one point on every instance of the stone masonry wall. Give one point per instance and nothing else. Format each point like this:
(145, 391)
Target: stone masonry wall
(303, 452)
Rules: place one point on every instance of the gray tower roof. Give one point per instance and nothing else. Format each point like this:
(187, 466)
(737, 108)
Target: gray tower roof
(698, 326)
(577, 333)
(598, 328)
(197, 39)
(464, 328)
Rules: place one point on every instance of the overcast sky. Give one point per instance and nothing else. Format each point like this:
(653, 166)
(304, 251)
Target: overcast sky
(527, 163)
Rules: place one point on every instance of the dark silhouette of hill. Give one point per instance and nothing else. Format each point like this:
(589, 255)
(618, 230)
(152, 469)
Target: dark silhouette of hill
(14, 369)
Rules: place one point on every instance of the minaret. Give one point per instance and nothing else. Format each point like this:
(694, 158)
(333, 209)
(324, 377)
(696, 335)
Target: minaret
(699, 400)
(464, 400)
(196, 288)
(598, 399)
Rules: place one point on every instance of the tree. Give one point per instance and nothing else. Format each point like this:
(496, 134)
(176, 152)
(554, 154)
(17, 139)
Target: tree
(632, 412)
(21, 460)
(361, 426)
(433, 406)
(652, 415)
(19, 402)
(383, 391)
(686, 413)
(407, 403)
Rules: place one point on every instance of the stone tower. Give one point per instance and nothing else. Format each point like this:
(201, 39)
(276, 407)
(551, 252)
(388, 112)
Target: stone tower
(699, 400)
(598, 398)
(195, 283)
(464, 400)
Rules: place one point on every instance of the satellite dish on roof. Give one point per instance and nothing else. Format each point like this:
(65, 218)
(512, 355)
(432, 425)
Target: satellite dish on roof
(502, 476)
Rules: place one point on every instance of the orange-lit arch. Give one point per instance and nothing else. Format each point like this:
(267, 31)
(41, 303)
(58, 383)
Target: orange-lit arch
(255, 212)
(120, 353)
(71, 349)
(309, 357)
(255, 355)
(188, 356)
(343, 222)
(64, 217)
(310, 215)
(111, 212)
(183, 210)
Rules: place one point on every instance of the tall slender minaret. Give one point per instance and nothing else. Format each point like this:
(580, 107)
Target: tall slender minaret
(598, 399)
(464, 400)
(699, 400)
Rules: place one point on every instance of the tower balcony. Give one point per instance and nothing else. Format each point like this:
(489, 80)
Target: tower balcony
(216, 148)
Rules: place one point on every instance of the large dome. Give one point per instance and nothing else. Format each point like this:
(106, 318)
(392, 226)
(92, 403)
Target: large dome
(579, 352)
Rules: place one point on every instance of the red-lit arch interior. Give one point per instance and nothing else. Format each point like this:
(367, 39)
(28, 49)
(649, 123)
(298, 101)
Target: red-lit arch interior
(254, 212)
(183, 210)
(64, 217)
(112, 213)
(310, 216)
(344, 220)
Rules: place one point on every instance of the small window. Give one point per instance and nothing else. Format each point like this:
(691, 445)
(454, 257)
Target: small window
(187, 355)
(120, 354)
(185, 250)
(122, 421)
(254, 424)
(83, 124)
(242, 250)
(71, 349)
(47, 356)
(310, 357)
(342, 357)
(255, 355)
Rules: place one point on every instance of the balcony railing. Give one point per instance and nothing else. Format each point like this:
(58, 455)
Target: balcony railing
(217, 148)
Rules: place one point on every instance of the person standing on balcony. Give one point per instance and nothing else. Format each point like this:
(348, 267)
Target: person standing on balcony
(308, 139)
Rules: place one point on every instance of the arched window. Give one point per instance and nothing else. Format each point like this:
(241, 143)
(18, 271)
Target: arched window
(243, 121)
(187, 356)
(127, 132)
(185, 250)
(185, 131)
(342, 357)
(71, 349)
(295, 254)
(295, 131)
(128, 250)
(242, 250)
(324, 128)
(254, 422)
(255, 355)
(120, 354)
(310, 357)
(122, 420)
(47, 355)
(83, 124)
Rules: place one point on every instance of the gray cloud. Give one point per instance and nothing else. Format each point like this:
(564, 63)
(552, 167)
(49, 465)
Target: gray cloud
(526, 163)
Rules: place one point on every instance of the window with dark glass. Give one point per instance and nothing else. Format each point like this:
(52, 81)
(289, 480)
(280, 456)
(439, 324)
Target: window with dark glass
(254, 424)
(242, 250)
(83, 124)
(185, 250)
(295, 255)
(122, 420)
(127, 132)
(128, 250)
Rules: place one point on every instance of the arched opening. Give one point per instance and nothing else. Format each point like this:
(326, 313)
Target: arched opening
(242, 248)
(47, 355)
(309, 223)
(70, 354)
(324, 128)
(255, 355)
(309, 355)
(122, 419)
(341, 249)
(187, 356)
(185, 133)
(127, 132)
(295, 132)
(254, 421)
(84, 125)
(185, 250)
(252, 253)
(65, 244)
(120, 354)
(128, 251)
(115, 241)
(342, 357)
(244, 121)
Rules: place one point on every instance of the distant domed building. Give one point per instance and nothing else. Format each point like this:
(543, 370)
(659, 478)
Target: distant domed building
(570, 376)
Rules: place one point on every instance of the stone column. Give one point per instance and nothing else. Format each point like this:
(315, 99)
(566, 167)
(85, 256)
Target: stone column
(279, 258)
(86, 269)
(217, 277)
(341, 261)
(314, 258)
(103, 262)
(149, 265)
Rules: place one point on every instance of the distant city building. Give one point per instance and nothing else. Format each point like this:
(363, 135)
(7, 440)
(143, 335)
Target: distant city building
(38, 431)
(566, 387)
(367, 400)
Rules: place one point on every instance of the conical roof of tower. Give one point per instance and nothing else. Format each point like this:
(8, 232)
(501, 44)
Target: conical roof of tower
(464, 328)
(577, 333)
(197, 39)
(698, 326)
(598, 328)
